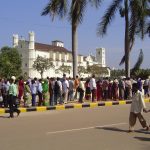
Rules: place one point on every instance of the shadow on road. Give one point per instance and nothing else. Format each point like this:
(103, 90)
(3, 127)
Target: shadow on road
(121, 130)
(143, 139)
(4, 117)
(112, 129)
(143, 131)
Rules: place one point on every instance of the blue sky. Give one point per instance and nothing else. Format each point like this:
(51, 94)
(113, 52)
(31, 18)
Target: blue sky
(21, 16)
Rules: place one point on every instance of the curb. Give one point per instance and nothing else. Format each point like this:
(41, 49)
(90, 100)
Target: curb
(69, 106)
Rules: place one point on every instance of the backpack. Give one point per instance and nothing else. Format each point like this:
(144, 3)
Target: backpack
(56, 87)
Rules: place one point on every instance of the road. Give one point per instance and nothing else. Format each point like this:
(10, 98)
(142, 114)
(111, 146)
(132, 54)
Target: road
(100, 128)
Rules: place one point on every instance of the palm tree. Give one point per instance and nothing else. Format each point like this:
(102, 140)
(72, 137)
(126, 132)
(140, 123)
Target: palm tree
(144, 23)
(75, 14)
(131, 11)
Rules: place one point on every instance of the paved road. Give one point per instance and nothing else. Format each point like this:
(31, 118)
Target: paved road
(101, 128)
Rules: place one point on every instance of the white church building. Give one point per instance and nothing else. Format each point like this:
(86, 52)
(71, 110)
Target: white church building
(29, 50)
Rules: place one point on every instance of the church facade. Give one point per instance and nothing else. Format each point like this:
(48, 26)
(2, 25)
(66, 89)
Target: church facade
(29, 50)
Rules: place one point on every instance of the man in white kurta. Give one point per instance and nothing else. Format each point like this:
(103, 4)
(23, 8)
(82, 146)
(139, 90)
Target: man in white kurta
(137, 108)
(92, 84)
(65, 88)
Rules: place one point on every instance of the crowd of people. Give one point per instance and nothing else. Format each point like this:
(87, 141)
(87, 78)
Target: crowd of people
(53, 91)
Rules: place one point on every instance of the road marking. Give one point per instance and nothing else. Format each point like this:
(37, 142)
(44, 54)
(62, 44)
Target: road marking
(79, 129)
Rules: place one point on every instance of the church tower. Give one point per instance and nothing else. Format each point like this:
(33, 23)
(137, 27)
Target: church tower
(32, 53)
(15, 40)
(100, 56)
(31, 40)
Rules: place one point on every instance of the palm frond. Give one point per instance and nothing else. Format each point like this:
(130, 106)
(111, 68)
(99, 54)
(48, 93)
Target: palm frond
(96, 3)
(56, 7)
(138, 63)
(143, 12)
(148, 29)
(122, 60)
(108, 17)
(77, 11)
(134, 8)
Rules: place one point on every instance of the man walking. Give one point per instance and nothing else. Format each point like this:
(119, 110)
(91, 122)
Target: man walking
(12, 99)
(137, 108)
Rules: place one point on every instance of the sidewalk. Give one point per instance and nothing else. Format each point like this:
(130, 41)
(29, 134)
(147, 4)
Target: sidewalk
(72, 105)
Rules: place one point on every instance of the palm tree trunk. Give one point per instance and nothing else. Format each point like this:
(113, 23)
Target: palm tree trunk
(74, 49)
(127, 47)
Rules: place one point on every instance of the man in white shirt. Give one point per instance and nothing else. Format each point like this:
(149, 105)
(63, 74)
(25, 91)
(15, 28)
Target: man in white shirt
(65, 88)
(71, 87)
(92, 84)
(58, 91)
(137, 108)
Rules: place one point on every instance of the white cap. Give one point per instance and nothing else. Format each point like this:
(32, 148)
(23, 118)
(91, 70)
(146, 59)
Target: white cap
(13, 77)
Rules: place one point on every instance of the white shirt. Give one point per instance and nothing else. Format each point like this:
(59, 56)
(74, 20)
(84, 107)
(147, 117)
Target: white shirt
(137, 103)
(40, 89)
(60, 85)
(71, 85)
(92, 84)
(81, 85)
(65, 85)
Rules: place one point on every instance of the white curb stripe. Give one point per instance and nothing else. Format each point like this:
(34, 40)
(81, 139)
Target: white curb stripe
(79, 129)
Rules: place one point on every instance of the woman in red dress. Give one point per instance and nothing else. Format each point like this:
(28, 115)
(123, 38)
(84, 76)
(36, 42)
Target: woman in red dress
(20, 88)
(99, 90)
(87, 90)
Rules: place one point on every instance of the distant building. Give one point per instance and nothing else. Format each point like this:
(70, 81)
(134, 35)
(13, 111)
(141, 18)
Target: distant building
(30, 50)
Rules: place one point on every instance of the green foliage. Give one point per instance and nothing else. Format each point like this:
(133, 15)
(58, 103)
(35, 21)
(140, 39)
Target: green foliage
(63, 69)
(117, 73)
(41, 64)
(97, 70)
(10, 62)
(141, 73)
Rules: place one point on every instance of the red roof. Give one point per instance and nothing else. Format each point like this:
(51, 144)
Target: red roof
(46, 47)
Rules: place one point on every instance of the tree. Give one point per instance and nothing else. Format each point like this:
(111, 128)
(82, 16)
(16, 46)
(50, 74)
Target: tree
(41, 64)
(75, 15)
(63, 69)
(144, 19)
(10, 62)
(131, 11)
(117, 73)
(81, 70)
(97, 70)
